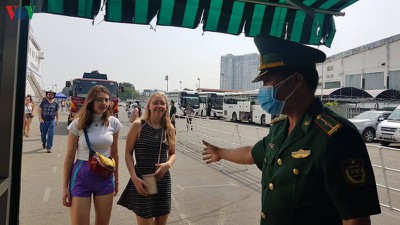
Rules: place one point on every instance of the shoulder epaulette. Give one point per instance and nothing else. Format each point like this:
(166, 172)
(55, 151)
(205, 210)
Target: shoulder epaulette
(278, 119)
(327, 123)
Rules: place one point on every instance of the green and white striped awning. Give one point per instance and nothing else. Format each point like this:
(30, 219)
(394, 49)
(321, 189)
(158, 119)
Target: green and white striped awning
(305, 21)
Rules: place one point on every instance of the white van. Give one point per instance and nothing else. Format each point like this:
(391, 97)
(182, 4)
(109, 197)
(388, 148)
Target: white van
(388, 131)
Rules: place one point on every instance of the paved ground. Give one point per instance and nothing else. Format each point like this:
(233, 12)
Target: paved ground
(201, 194)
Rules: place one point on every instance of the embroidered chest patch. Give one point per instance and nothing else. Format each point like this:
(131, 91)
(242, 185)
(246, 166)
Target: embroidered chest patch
(354, 172)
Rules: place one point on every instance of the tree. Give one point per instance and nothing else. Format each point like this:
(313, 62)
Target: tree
(130, 91)
(126, 84)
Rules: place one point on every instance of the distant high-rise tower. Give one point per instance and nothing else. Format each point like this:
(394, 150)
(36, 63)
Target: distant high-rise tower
(237, 72)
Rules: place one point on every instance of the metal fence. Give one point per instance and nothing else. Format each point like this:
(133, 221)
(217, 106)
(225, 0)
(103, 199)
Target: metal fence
(385, 160)
(348, 111)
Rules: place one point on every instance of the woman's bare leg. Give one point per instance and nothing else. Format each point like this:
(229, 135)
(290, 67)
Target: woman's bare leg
(161, 220)
(144, 221)
(102, 207)
(28, 126)
(80, 211)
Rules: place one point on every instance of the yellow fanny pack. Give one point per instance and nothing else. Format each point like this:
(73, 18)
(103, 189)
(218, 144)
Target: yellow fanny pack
(106, 160)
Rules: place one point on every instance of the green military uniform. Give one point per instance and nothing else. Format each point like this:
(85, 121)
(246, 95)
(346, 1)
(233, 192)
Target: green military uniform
(319, 174)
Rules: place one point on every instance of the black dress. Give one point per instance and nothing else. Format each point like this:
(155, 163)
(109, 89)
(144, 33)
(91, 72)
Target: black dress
(146, 153)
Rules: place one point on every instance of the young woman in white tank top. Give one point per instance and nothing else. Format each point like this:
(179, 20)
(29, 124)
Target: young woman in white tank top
(29, 113)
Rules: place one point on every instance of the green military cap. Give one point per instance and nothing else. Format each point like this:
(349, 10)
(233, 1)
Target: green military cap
(277, 53)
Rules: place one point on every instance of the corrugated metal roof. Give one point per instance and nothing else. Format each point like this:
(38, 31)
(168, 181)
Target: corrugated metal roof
(364, 48)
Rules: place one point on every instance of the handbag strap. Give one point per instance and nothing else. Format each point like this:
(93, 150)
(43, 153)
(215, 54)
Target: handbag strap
(91, 151)
(27, 109)
(159, 152)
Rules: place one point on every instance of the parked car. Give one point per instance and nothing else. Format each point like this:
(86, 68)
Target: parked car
(367, 123)
(389, 130)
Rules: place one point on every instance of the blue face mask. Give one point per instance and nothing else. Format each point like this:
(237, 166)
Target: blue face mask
(268, 101)
(266, 98)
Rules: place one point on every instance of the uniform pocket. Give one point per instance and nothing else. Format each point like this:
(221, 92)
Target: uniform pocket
(268, 166)
(303, 182)
(295, 185)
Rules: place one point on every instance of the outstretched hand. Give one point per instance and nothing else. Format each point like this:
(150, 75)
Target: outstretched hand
(210, 153)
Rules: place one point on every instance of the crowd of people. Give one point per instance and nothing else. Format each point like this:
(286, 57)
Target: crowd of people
(312, 172)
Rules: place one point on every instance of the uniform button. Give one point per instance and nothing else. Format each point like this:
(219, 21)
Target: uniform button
(265, 160)
(271, 186)
(263, 215)
(279, 161)
(295, 171)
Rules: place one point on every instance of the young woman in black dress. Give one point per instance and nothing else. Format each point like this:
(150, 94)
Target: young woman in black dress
(152, 139)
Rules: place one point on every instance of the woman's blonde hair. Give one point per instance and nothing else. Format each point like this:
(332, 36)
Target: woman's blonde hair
(85, 113)
(165, 120)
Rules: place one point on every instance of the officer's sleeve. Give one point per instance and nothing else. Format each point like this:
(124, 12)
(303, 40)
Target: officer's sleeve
(258, 153)
(348, 175)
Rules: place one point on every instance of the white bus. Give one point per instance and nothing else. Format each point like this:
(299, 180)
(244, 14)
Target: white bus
(244, 106)
(181, 98)
(211, 104)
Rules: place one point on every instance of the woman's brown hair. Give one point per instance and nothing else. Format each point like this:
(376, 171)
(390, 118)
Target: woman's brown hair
(85, 113)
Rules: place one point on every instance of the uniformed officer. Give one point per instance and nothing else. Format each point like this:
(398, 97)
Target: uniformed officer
(315, 165)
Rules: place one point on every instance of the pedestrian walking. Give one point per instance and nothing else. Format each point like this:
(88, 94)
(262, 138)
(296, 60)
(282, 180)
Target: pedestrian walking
(172, 113)
(152, 140)
(62, 106)
(134, 112)
(315, 165)
(189, 112)
(48, 118)
(29, 114)
(80, 184)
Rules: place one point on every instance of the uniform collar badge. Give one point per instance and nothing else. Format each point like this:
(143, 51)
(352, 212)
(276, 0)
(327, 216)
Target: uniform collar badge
(271, 146)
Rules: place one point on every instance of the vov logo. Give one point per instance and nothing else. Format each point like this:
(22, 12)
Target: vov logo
(20, 12)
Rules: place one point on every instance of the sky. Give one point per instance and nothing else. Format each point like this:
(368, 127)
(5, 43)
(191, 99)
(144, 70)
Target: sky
(143, 56)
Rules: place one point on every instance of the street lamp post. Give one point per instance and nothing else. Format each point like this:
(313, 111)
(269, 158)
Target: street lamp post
(181, 84)
(166, 78)
(199, 81)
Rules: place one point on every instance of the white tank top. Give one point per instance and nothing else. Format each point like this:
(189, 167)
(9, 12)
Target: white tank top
(28, 108)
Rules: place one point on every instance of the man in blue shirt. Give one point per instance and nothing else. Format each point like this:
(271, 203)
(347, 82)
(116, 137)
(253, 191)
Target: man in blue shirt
(48, 118)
